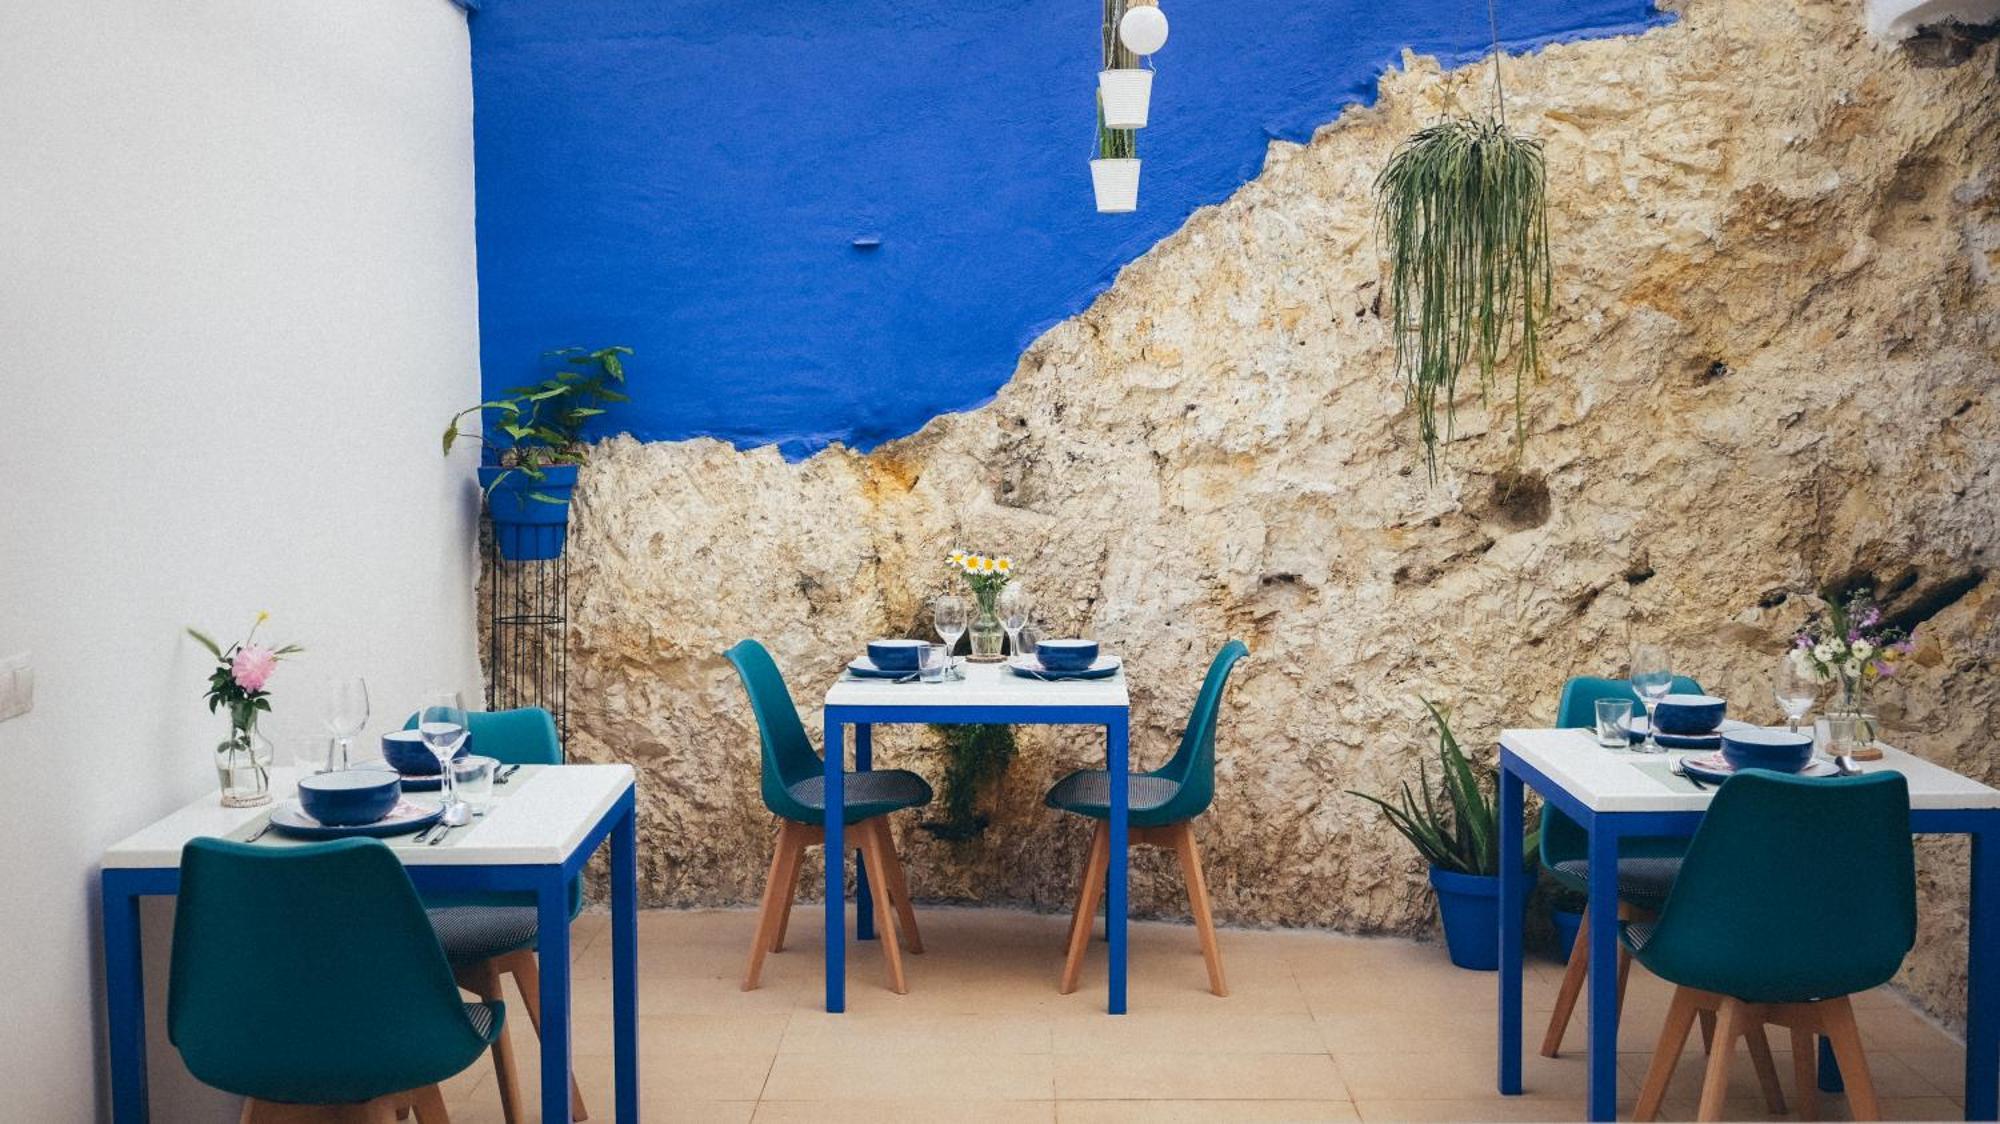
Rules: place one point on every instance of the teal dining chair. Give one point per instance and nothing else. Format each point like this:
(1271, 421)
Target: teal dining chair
(490, 936)
(1161, 809)
(1646, 866)
(793, 782)
(1795, 894)
(309, 975)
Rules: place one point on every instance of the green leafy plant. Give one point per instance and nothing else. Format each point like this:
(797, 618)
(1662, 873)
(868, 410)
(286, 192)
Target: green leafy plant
(533, 427)
(1115, 144)
(1462, 208)
(975, 757)
(1455, 828)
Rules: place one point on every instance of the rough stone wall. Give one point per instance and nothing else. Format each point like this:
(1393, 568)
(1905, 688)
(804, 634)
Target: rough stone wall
(1772, 366)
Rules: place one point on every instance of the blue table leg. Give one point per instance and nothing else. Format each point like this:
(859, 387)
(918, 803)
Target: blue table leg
(1982, 983)
(1513, 884)
(625, 959)
(836, 871)
(1116, 749)
(864, 900)
(552, 950)
(125, 1001)
(1603, 968)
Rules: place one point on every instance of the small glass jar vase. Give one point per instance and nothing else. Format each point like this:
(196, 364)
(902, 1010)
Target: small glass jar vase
(989, 638)
(243, 765)
(1853, 726)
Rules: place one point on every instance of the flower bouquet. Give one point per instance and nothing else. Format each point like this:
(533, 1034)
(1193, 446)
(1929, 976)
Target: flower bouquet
(986, 577)
(243, 760)
(1847, 643)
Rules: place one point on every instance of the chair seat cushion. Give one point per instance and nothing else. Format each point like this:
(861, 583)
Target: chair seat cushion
(1637, 933)
(471, 933)
(1641, 881)
(865, 795)
(1087, 792)
(486, 1018)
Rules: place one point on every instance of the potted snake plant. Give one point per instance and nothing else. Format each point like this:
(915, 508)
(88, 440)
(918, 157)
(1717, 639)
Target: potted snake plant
(1456, 829)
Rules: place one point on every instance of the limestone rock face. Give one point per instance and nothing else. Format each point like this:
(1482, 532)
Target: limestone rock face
(1773, 366)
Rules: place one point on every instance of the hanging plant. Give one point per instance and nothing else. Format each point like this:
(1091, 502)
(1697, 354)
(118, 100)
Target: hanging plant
(1462, 209)
(975, 757)
(1114, 174)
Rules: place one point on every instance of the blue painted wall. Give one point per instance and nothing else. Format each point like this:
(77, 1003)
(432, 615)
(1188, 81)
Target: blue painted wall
(688, 177)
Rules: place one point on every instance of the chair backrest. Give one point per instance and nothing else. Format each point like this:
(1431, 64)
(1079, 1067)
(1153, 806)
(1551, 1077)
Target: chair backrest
(1193, 762)
(310, 975)
(1780, 865)
(524, 736)
(1563, 839)
(787, 754)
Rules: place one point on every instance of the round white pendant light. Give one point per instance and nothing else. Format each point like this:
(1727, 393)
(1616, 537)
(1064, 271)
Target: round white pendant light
(1143, 30)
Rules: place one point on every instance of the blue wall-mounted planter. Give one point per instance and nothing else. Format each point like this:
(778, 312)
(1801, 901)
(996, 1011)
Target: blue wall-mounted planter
(833, 222)
(526, 529)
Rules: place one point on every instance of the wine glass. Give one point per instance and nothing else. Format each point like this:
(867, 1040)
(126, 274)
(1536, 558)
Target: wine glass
(950, 615)
(346, 713)
(1652, 677)
(1015, 605)
(1795, 690)
(441, 723)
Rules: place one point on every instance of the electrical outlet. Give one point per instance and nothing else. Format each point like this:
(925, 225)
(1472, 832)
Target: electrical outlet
(17, 686)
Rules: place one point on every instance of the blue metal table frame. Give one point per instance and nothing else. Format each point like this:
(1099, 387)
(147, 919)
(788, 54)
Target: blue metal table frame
(125, 996)
(1114, 719)
(1605, 829)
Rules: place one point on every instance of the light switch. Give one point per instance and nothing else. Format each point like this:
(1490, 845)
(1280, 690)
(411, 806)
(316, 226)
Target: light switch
(17, 687)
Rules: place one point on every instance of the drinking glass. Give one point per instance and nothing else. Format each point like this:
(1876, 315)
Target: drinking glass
(933, 661)
(346, 714)
(1652, 677)
(312, 754)
(950, 615)
(1611, 716)
(472, 781)
(442, 724)
(1794, 689)
(1015, 605)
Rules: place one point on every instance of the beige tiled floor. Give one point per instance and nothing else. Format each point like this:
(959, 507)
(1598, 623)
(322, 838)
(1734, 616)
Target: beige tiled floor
(1318, 1027)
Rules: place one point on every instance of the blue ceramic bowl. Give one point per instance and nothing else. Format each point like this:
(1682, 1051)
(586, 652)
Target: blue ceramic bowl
(406, 753)
(1066, 655)
(1778, 750)
(351, 796)
(896, 655)
(1689, 714)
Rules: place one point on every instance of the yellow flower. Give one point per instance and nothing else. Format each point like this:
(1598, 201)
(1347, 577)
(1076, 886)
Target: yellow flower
(957, 558)
(1004, 565)
(985, 565)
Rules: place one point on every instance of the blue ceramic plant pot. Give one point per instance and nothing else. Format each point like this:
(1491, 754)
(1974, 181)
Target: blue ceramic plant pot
(406, 753)
(1066, 655)
(1567, 925)
(350, 796)
(1689, 714)
(530, 516)
(895, 655)
(1778, 750)
(1469, 905)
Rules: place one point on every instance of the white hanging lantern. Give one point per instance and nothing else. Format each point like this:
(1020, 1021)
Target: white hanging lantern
(1127, 94)
(1143, 29)
(1116, 184)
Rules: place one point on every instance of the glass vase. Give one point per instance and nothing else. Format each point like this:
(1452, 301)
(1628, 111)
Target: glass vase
(989, 639)
(1855, 726)
(243, 765)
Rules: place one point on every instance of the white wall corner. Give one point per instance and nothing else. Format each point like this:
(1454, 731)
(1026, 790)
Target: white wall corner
(1900, 19)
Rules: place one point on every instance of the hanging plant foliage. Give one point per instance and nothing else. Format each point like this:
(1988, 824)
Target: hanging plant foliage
(1463, 213)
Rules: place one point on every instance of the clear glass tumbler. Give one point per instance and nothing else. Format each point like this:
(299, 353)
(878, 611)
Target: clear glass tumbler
(472, 780)
(936, 659)
(1612, 714)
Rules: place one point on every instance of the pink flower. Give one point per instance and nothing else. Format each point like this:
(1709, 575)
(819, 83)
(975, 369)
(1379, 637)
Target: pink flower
(252, 666)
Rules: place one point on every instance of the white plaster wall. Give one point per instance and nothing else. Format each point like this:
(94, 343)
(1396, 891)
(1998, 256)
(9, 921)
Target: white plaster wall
(237, 302)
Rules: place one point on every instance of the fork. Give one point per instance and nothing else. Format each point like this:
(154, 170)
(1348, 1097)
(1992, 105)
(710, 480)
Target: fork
(1690, 778)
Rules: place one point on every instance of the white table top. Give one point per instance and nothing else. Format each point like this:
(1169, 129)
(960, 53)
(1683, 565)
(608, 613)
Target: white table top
(539, 817)
(1612, 781)
(985, 684)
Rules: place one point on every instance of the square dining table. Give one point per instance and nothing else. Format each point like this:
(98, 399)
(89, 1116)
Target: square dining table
(1616, 794)
(540, 829)
(986, 694)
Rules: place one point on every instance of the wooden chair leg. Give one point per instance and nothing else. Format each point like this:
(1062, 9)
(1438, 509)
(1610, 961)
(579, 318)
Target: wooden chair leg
(899, 889)
(1199, 904)
(429, 1103)
(789, 883)
(1572, 986)
(869, 834)
(483, 979)
(1767, 1069)
(1708, 1032)
(528, 977)
(784, 856)
(1715, 1081)
(1805, 1071)
(1837, 1022)
(1681, 1014)
(1096, 863)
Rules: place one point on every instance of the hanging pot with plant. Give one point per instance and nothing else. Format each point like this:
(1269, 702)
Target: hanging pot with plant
(1124, 87)
(533, 439)
(1114, 175)
(1462, 210)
